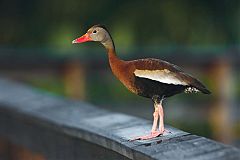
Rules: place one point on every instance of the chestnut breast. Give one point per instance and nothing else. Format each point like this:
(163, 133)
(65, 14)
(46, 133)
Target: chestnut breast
(123, 70)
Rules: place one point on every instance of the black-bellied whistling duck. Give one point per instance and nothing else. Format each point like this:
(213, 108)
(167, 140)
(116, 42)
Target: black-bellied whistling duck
(150, 78)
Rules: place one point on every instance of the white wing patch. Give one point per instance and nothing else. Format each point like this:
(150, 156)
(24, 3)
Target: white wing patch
(191, 90)
(163, 76)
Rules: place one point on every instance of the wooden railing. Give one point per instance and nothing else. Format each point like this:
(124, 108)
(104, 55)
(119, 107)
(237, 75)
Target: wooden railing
(37, 125)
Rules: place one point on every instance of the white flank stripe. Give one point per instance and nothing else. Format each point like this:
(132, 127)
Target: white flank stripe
(163, 76)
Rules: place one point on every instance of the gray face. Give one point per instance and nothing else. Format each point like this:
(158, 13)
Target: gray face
(98, 34)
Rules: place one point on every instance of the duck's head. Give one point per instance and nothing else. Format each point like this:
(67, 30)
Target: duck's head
(96, 33)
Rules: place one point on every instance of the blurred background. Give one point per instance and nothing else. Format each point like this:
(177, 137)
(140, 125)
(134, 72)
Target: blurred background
(201, 36)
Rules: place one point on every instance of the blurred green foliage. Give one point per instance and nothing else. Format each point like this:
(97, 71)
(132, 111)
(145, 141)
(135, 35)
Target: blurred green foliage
(50, 84)
(132, 23)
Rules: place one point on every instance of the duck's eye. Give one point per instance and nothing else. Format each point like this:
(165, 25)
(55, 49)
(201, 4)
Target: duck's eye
(95, 31)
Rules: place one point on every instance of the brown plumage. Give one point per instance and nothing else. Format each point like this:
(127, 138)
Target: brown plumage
(150, 78)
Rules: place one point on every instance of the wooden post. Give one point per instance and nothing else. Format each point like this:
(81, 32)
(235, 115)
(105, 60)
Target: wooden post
(10, 151)
(220, 118)
(4, 149)
(21, 153)
(74, 80)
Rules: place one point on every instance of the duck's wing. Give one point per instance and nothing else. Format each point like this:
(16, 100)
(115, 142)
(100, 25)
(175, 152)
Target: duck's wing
(165, 72)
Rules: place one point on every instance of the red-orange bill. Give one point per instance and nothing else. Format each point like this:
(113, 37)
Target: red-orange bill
(82, 39)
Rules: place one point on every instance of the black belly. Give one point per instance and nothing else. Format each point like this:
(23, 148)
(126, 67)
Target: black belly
(149, 88)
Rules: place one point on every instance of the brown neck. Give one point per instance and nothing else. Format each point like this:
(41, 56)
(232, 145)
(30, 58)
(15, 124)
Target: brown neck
(113, 59)
(109, 45)
(115, 63)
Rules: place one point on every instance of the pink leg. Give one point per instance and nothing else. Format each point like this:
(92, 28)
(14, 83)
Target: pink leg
(155, 119)
(154, 132)
(161, 120)
(161, 116)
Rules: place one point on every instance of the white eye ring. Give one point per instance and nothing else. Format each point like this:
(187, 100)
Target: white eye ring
(94, 32)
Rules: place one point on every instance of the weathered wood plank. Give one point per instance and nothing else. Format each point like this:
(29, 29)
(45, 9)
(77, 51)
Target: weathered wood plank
(64, 129)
